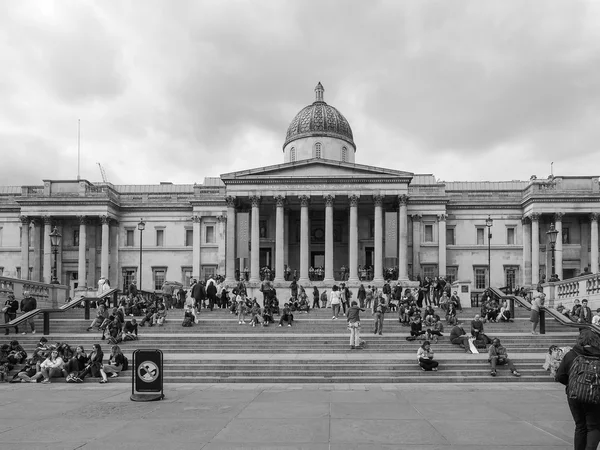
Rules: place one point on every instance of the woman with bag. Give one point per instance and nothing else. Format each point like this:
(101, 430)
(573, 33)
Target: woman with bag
(93, 366)
(114, 366)
(425, 357)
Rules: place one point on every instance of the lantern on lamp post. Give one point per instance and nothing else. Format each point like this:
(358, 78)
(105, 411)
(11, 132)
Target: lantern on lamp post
(488, 223)
(552, 234)
(55, 239)
(141, 226)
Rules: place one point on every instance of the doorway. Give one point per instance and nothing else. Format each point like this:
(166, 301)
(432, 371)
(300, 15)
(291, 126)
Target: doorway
(73, 282)
(369, 256)
(264, 259)
(317, 259)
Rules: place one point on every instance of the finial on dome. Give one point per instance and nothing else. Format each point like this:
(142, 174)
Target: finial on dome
(319, 91)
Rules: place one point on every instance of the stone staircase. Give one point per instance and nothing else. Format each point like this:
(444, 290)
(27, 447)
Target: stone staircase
(315, 349)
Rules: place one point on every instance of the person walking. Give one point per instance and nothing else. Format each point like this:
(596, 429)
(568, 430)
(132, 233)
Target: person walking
(578, 371)
(335, 301)
(379, 311)
(353, 319)
(11, 306)
(29, 303)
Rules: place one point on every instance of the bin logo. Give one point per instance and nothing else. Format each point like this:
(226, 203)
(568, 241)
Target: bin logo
(148, 371)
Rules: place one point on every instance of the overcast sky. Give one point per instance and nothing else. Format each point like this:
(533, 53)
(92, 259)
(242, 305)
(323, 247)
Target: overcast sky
(180, 90)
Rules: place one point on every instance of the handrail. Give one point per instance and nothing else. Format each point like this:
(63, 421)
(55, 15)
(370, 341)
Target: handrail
(560, 318)
(46, 311)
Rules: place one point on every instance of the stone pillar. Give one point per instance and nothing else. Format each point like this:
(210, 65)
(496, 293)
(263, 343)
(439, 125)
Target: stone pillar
(403, 238)
(286, 237)
(196, 243)
(230, 247)
(304, 245)
(279, 238)
(24, 247)
(558, 250)
(37, 248)
(222, 225)
(353, 239)
(81, 266)
(329, 278)
(442, 244)
(535, 248)
(255, 241)
(526, 268)
(47, 264)
(594, 242)
(416, 223)
(378, 236)
(105, 246)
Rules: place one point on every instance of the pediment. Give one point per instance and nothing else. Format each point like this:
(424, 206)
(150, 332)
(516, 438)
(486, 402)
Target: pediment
(316, 168)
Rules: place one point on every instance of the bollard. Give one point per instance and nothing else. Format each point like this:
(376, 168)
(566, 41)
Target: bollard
(542, 321)
(511, 307)
(46, 315)
(86, 314)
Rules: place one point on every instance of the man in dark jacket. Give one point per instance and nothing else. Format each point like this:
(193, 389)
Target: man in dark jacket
(460, 338)
(29, 304)
(585, 313)
(199, 294)
(12, 306)
(585, 415)
(211, 292)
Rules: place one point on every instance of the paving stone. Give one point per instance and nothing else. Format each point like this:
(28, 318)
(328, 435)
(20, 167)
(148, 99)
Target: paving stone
(384, 431)
(286, 410)
(275, 431)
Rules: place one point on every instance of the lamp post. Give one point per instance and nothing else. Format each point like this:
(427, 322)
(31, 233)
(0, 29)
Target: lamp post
(552, 233)
(55, 238)
(488, 223)
(141, 227)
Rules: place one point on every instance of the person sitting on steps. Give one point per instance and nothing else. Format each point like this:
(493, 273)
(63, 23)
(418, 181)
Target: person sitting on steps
(425, 357)
(459, 337)
(499, 357)
(286, 316)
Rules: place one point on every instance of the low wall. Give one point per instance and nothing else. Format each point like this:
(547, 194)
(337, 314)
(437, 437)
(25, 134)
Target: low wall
(46, 295)
(565, 292)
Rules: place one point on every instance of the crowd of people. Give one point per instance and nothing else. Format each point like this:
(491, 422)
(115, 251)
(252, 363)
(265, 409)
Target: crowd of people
(59, 360)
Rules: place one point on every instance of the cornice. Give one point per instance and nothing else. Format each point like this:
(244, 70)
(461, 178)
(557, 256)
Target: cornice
(321, 180)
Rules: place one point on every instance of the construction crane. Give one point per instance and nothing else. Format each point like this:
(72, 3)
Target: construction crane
(102, 172)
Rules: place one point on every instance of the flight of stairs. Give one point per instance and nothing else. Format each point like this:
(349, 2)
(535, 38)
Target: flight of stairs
(315, 349)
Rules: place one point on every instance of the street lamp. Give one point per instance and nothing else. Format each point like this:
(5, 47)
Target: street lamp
(55, 238)
(552, 233)
(488, 223)
(141, 227)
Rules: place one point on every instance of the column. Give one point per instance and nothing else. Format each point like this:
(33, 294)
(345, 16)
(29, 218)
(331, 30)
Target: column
(196, 243)
(535, 248)
(221, 258)
(37, 249)
(403, 238)
(81, 266)
(378, 236)
(329, 278)
(526, 268)
(230, 246)
(286, 237)
(255, 241)
(24, 247)
(105, 246)
(558, 249)
(416, 223)
(279, 238)
(47, 264)
(594, 242)
(353, 239)
(442, 244)
(304, 199)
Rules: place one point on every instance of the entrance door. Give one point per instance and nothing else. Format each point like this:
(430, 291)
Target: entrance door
(73, 282)
(369, 256)
(317, 259)
(265, 257)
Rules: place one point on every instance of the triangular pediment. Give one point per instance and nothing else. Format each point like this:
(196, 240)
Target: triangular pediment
(316, 168)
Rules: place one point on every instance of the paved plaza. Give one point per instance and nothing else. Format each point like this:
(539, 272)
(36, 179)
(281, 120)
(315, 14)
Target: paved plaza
(281, 416)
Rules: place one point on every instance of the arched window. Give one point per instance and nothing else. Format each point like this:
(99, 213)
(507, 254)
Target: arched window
(318, 150)
(293, 154)
(344, 154)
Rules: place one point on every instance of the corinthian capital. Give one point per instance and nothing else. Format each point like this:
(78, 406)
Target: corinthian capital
(279, 200)
(255, 199)
(353, 199)
(304, 200)
(230, 200)
(403, 200)
(378, 200)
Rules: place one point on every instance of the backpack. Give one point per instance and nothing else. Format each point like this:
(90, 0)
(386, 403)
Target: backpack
(584, 380)
(187, 322)
(125, 363)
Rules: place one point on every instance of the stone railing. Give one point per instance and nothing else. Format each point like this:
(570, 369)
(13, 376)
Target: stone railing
(46, 295)
(565, 292)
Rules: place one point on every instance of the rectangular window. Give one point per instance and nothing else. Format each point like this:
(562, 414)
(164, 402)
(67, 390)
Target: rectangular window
(160, 238)
(450, 236)
(159, 278)
(510, 236)
(189, 239)
(451, 274)
(0, 236)
(75, 238)
(480, 236)
(209, 272)
(129, 238)
(210, 234)
(510, 277)
(1, 271)
(480, 277)
(186, 276)
(429, 270)
(428, 231)
(18, 270)
(128, 276)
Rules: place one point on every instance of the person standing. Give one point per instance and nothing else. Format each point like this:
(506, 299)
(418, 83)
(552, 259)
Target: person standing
(11, 306)
(335, 301)
(353, 319)
(29, 303)
(379, 311)
(536, 304)
(576, 372)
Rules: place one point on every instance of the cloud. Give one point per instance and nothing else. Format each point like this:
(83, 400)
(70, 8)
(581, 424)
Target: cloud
(182, 90)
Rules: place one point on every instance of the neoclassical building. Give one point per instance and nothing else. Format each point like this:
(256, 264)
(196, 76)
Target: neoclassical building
(318, 208)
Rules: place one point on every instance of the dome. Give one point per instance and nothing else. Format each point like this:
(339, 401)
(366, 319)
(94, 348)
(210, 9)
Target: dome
(319, 119)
